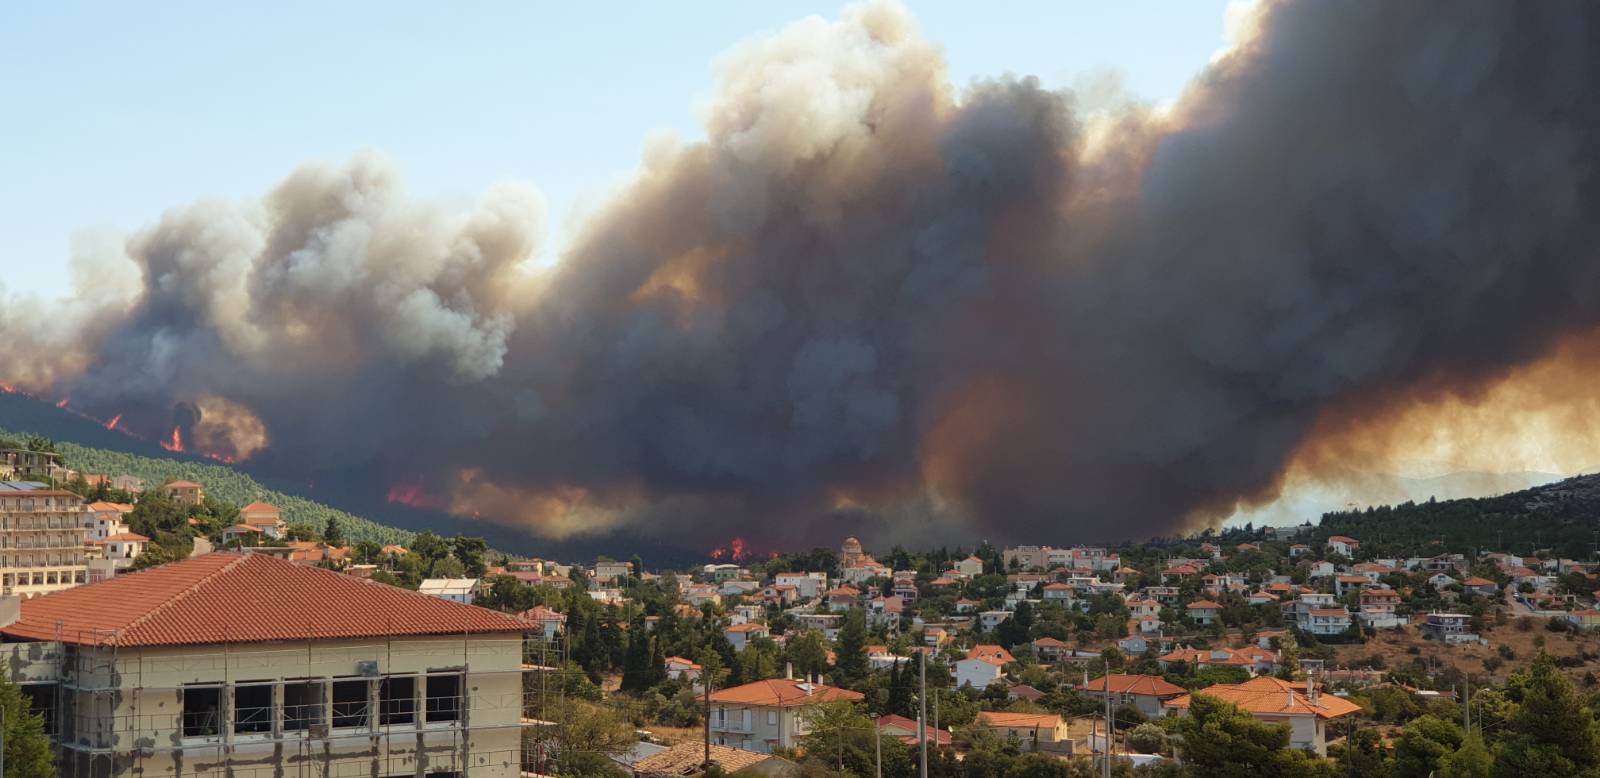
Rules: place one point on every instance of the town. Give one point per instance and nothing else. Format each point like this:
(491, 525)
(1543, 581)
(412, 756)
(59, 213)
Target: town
(152, 627)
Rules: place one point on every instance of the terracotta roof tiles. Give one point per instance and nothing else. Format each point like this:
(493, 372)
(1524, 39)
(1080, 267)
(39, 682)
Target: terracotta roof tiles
(242, 598)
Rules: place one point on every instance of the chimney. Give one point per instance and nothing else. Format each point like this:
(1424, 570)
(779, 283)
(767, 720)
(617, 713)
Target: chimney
(788, 671)
(1289, 698)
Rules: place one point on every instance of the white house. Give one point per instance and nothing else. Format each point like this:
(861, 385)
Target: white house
(979, 671)
(741, 635)
(970, 567)
(1343, 546)
(461, 590)
(808, 585)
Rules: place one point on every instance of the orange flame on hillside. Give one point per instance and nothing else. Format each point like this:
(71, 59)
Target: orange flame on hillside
(61, 403)
(176, 444)
(7, 389)
(411, 494)
(115, 420)
(735, 551)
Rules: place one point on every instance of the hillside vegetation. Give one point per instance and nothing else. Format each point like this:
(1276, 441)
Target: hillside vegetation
(1563, 517)
(224, 483)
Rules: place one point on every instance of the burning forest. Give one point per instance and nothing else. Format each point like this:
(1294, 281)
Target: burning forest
(870, 299)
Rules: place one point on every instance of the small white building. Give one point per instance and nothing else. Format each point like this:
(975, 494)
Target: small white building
(462, 590)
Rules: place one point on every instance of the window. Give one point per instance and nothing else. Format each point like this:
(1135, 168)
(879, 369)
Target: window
(397, 700)
(252, 708)
(350, 703)
(302, 705)
(42, 700)
(444, 697)
(202, 709)
(772, 718)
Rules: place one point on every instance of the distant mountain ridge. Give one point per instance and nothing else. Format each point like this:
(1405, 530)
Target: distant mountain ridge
(90, 447)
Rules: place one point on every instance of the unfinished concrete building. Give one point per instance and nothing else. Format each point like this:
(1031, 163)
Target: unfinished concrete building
(245, 665)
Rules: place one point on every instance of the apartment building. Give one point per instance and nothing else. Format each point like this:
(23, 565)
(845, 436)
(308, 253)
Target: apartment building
(21, 462)
(768, 715)
(245, 665)
(42, 536)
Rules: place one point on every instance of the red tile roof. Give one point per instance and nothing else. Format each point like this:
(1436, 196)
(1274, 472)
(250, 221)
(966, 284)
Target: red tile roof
(782, 693)
(1149, 685)
(240, 598)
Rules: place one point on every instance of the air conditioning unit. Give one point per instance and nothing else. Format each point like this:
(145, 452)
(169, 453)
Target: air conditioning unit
(367, 668)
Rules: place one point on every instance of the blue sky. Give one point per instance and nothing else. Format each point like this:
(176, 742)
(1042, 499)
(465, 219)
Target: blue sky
(113, 112)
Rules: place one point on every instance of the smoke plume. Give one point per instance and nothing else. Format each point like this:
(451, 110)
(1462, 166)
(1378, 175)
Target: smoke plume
(871, 301)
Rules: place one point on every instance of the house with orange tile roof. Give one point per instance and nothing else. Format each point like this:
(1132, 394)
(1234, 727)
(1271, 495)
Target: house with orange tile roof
(1204, 611)
(271, 660)
(241, 535)
(266, 517)
(184, 492)
(1147, 692)
(1033, 731)
(768, 715)
(1307, 710)
(680, 668)
(905, 730)
(742, 635)
(105, 519)
(983, 665)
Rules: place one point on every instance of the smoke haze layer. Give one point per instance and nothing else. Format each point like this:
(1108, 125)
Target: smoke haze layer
(869, 300)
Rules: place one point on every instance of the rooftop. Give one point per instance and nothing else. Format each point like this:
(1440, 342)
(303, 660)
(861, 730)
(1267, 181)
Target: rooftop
(243, 598)
(783, 692)
(1271, 696)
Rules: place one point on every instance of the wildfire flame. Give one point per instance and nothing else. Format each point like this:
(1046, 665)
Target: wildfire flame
(115, 420)
(61, 403)
(734, 552)
(176, 444)
(7, 389)
(411, 494)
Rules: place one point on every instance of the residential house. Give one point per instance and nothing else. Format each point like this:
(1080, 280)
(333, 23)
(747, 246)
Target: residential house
(842, 598)
(1048, 649)
(1026, 557)
(826, 623)
(1587, 618)
(1325, 621)
(989, 620)
(462, 590)
(1299, 550)
(885, 612)
(781, 595)
(1033, 731)
(742, 635)
(971, 567)
(1058, 592)
(1304, 708)
(1347, 583)
(1204, 611)
(808, 585)
(184, 492)
(611, 571)
(1343, 546)
(104, 519)
(1148, 693)
(265, 517)
(681, 669)
(241, 535)
(982, 666)
(906, 731)
(1322, 569)
(1449, 627)
(128, 483)
(1481, 586)
(122, 549)
(547, 622)
(768, 715)
(1378, 609)
(246, 659)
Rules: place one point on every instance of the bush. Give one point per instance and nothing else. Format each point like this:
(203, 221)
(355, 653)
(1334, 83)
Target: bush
(1147, 739)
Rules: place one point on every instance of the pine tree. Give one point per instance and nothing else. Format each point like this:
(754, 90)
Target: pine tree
(851, 663)
(332, 534)
(636, 664)
(27, 747)
(1553, 732)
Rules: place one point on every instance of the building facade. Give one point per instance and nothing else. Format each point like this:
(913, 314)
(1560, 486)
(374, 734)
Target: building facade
(42, 537)
(191, 676)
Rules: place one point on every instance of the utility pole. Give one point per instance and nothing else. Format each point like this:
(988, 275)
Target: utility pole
(922, 714)
(1110, 726)
(707, 669)
(1466, 707)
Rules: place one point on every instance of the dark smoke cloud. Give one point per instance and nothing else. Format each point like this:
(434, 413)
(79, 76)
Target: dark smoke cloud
(869, 301)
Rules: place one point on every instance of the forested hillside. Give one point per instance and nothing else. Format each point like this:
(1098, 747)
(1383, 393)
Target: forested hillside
(1563, 517)
(222, 482)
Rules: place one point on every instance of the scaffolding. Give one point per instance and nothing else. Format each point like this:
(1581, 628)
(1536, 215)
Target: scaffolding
(244, 709)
